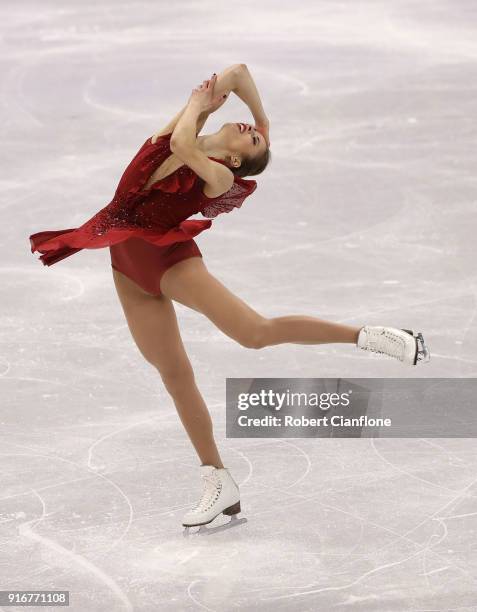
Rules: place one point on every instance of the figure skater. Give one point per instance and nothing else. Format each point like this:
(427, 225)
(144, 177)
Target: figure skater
(175, 174)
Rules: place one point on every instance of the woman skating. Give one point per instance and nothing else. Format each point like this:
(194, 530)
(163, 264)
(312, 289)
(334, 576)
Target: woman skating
(155, 261)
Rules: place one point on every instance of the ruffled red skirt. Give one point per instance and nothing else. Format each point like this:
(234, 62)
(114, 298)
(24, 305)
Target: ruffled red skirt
(59, 244)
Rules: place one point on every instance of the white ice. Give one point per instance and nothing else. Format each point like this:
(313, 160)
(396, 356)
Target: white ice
(366, 215)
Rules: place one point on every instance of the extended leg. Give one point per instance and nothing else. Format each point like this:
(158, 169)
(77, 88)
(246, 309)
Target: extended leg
(190, 283)
(153, 325)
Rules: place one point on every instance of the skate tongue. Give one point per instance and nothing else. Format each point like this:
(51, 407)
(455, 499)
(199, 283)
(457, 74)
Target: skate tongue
(207, 469)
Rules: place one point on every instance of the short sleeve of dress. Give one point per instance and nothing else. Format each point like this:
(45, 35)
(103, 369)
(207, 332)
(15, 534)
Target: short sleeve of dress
(233, 198)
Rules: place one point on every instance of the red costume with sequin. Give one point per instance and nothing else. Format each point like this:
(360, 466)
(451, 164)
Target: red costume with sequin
(146, 230)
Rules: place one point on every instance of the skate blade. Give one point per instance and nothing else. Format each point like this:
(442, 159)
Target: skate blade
(204, 530)
(423, 353)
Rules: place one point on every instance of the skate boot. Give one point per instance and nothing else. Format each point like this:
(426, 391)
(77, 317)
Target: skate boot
(220, 495)
(400, 344)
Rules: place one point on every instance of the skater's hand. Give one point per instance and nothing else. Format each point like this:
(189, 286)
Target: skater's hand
(204, 99)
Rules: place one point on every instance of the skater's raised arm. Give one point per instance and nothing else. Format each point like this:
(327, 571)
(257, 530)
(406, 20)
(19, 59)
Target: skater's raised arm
(225, 83)
(236, 78)
(235, 143)
(247, 91)
(183, 142)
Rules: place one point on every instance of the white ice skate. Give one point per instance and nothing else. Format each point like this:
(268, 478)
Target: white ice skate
(220, 495)
(400, 344)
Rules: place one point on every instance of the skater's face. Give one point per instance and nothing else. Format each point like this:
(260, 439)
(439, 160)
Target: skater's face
(243, 140)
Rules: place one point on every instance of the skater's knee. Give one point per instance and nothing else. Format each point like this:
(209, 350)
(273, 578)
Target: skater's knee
(178, 378)
(257, 335)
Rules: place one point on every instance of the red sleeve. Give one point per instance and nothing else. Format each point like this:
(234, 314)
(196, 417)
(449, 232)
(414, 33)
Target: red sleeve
(233, 198)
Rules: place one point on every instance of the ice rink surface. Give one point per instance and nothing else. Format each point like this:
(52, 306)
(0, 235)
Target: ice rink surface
(366, 215)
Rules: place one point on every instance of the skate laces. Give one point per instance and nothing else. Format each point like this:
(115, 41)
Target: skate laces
(210, 494)
(385, 342)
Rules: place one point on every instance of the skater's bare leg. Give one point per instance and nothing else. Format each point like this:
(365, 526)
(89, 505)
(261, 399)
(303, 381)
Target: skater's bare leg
(190, 283)
(153, 325)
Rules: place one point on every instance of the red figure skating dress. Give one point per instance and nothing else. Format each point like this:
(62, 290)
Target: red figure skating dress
(146, 230)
